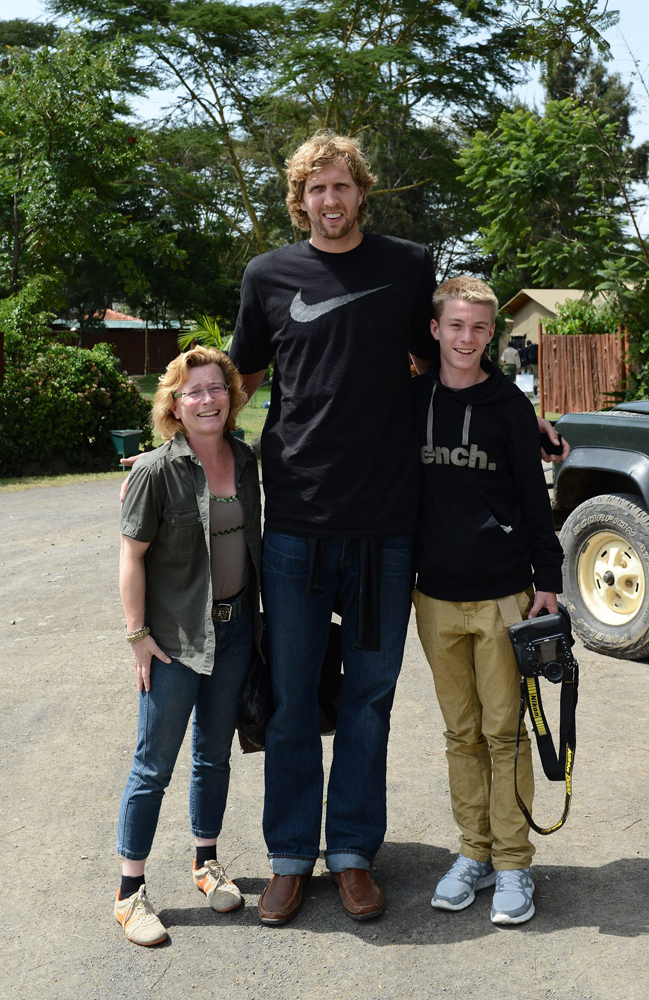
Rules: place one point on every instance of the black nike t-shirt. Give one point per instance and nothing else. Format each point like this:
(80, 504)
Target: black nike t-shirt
(339, 455)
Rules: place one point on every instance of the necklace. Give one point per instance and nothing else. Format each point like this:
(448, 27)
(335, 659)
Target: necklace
(235, 496)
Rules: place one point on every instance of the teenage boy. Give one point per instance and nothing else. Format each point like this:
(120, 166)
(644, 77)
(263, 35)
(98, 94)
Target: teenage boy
(485, 532)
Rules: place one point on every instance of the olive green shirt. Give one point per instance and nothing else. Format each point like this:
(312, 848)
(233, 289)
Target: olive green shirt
(168, 504)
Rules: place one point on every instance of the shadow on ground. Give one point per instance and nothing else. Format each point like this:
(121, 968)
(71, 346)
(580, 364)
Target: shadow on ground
(607, 898)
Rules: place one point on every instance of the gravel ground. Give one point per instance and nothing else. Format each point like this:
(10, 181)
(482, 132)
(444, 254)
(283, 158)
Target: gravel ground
(68, 721)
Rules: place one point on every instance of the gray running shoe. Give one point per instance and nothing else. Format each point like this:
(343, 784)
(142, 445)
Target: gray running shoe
(513, 897)
(457, 889)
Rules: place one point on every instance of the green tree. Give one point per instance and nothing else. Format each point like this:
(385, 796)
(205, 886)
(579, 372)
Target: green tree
(548, 26)
(625, 280)
(577, 316)
(62, 402)
(62, 147)
(568, 72)
(69, 243)
(178, 195)
(402, 74)
(552, 194)
(20, 33)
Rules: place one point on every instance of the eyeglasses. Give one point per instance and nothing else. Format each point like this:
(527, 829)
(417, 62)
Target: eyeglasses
(218, 389)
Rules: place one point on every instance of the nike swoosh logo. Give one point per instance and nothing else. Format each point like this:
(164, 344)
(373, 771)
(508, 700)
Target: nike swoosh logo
(303, 313)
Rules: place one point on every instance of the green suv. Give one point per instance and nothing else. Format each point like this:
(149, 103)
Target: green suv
(601, 502)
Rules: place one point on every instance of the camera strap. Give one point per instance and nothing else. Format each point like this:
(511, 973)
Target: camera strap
(557, 767)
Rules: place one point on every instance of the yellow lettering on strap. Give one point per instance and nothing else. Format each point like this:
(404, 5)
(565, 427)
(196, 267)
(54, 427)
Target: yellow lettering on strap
(535, 710)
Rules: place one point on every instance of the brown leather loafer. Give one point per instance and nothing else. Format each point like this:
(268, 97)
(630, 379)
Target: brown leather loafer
(360, 895)
(281, 899)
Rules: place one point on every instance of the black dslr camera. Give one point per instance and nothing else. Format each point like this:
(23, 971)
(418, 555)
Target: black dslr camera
(543, 646)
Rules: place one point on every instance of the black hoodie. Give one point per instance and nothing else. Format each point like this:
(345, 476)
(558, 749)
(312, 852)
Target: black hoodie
(485, 518)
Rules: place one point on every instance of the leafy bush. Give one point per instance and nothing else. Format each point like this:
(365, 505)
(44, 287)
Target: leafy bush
(626, 281)
(580, 316)
(59, 401)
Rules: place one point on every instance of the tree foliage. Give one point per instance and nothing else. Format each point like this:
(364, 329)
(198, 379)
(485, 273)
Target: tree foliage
(404, 75)
(167, 222)
(65, 151)
(551, 191)
(568, 72)
(625, 280)
(581, 316)
(21, 33)
(548, 25)
(178, 195)
(63, 401)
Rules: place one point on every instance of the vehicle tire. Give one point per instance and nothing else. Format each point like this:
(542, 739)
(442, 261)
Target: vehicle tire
(606, 574)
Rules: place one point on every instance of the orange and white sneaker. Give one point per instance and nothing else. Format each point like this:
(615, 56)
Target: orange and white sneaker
(222, 894)
(136, 916)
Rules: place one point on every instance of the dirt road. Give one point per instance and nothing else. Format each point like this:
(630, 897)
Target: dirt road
(68, 710)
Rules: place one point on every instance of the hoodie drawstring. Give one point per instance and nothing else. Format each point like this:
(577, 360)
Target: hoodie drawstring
(465, 428)
(427, 450)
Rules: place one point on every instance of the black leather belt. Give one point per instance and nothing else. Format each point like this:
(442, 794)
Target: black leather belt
(222, 610)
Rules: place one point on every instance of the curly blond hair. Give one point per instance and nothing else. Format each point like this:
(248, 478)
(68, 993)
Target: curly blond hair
(467, 288)
(176, 375)
(321, 150)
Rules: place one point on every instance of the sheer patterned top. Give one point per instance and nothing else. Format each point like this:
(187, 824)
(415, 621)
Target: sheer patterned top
(228, 548)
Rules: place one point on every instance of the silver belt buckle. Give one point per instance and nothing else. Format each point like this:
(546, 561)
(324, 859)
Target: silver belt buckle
(222, 613)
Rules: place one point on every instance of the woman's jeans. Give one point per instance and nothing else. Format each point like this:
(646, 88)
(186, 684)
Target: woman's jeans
(298, 628)
(162, 723)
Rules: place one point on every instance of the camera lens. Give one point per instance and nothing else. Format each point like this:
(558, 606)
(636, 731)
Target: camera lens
(553, 671)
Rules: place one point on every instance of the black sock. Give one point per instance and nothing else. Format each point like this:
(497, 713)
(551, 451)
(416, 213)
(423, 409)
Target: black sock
(130, 884)
(204, 854)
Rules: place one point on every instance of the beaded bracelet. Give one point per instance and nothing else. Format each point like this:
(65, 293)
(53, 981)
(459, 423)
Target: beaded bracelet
(139, 633)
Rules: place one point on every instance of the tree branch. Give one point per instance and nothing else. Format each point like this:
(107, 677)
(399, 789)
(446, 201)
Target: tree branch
(398, 190)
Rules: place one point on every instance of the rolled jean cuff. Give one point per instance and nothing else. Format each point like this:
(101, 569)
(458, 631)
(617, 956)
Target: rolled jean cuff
(340, 861)
(205, 834)
(290, 864)
(131, 855)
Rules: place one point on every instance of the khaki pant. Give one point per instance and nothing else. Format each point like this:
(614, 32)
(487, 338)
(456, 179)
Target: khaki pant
(478, 689)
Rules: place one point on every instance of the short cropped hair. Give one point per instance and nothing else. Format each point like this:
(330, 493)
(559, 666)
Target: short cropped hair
(464, 287)
(321, 150)
(176, 375)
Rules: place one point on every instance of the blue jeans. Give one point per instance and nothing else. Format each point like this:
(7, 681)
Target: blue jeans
(298, 627)
(162, 723)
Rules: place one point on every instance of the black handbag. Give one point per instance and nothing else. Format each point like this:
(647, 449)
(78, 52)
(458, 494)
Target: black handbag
(255, 705)
(256, 695)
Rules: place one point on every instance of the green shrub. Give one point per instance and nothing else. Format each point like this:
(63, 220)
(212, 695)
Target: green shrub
(59, 401)
(580, 316)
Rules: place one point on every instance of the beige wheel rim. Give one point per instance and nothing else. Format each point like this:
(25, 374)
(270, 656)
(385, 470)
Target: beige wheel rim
(611, 578)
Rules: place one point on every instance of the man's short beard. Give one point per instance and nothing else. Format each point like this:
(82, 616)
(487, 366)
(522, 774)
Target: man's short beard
(321, 229)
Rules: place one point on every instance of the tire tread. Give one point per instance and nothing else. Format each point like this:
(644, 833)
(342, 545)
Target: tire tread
(638, 648)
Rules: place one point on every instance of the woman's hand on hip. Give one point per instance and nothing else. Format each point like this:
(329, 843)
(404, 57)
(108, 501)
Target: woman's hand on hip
(143, 651)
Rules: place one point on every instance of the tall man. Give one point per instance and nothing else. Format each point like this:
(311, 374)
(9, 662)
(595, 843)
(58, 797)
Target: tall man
(339, 313)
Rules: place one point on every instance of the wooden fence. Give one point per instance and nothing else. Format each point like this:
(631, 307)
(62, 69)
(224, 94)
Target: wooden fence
(129, 345)
(576, 372)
